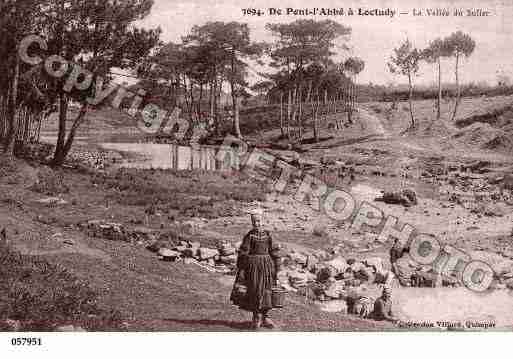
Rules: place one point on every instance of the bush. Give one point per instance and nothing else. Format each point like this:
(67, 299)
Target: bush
(40, 296)
(190, 193)
(49, 182)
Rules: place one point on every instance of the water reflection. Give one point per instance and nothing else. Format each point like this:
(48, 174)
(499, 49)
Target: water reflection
(169, 156)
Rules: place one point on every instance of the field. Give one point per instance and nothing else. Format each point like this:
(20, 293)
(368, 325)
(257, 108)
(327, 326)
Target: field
(148, 294)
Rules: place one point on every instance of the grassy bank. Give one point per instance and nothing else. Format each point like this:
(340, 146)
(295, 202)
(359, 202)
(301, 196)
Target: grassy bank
(37, 295)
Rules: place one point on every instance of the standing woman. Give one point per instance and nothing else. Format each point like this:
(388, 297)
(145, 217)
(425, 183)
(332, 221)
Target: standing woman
(257, 267)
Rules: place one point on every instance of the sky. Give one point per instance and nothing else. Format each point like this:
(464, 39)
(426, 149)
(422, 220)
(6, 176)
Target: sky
(373, 38)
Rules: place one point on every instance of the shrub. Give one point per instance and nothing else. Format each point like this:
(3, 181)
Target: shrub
(50, 182)
(190, 193)
(41, 296)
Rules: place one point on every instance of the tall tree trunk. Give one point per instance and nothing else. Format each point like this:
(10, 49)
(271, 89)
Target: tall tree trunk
(410, 95)
(235, 110)
(315, 117)
(458, 90)
(58, 157)
(300, 112)
(289, 100)
(211, 106)
(72, 133)
(281, 115)
(235, 102)
(294, 104)
(217, 87)
(439, 109)
(12, 110)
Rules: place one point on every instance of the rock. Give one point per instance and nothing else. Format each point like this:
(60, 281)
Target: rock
(406, 197)
(357, 266)
(229, 260)
(189, 260)
(156, 245)
(226, 249)
(190, 227)
(375, 262)
(299, 279)
(311, 262)
(180, 249)
(190, 252)
(195, 245)
(49, 220)
(68, 241)
(339, 264)
(365, 274)
(320, 231)
(298, 258)
(207, 253)
(324, 274)
(52, 201)
(108, 230)
(494, 210)
(335, 290)
(404, 268)
(144, 233)
(507, 275)
(168, 254)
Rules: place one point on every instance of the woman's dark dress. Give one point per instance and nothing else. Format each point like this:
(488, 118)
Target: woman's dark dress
(256, 264)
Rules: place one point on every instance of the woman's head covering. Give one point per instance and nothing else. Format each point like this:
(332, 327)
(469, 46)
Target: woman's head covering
(387, 290)
(256, 212)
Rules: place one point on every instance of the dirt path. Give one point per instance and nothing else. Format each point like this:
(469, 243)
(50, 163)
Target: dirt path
(372, 123)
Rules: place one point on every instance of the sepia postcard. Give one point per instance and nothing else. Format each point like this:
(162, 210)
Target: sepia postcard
(255, 166)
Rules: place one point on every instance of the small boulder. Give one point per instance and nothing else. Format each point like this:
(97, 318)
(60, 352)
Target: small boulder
(298, 258)
(226, 249)
(228, 260)
(357, 266)
(190, 252)
(168, 254)
(375, 262)
(335, 290)
(339, 264)
(324, 274)
(207, 253)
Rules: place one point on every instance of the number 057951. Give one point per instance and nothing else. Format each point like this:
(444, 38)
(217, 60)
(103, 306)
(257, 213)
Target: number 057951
(26, 341)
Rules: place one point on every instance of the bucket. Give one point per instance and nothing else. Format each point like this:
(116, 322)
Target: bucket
(278, 297)
(238, 295)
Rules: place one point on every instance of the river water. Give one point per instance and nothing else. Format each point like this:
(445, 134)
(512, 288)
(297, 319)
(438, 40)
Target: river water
(168, 156)
(443, 305)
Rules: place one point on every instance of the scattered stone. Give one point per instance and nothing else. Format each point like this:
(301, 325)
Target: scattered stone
(168, 254)
(298, 258)
(226, 249)
(229, 260)
(190, 252)
(335, 290)
(406, 198)
(357, 266)
(52, 201)
(339, 264)
(207, 253)
(311, 262)
(324, 274)
(320, 231)
(375, 262)
(299, 279)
